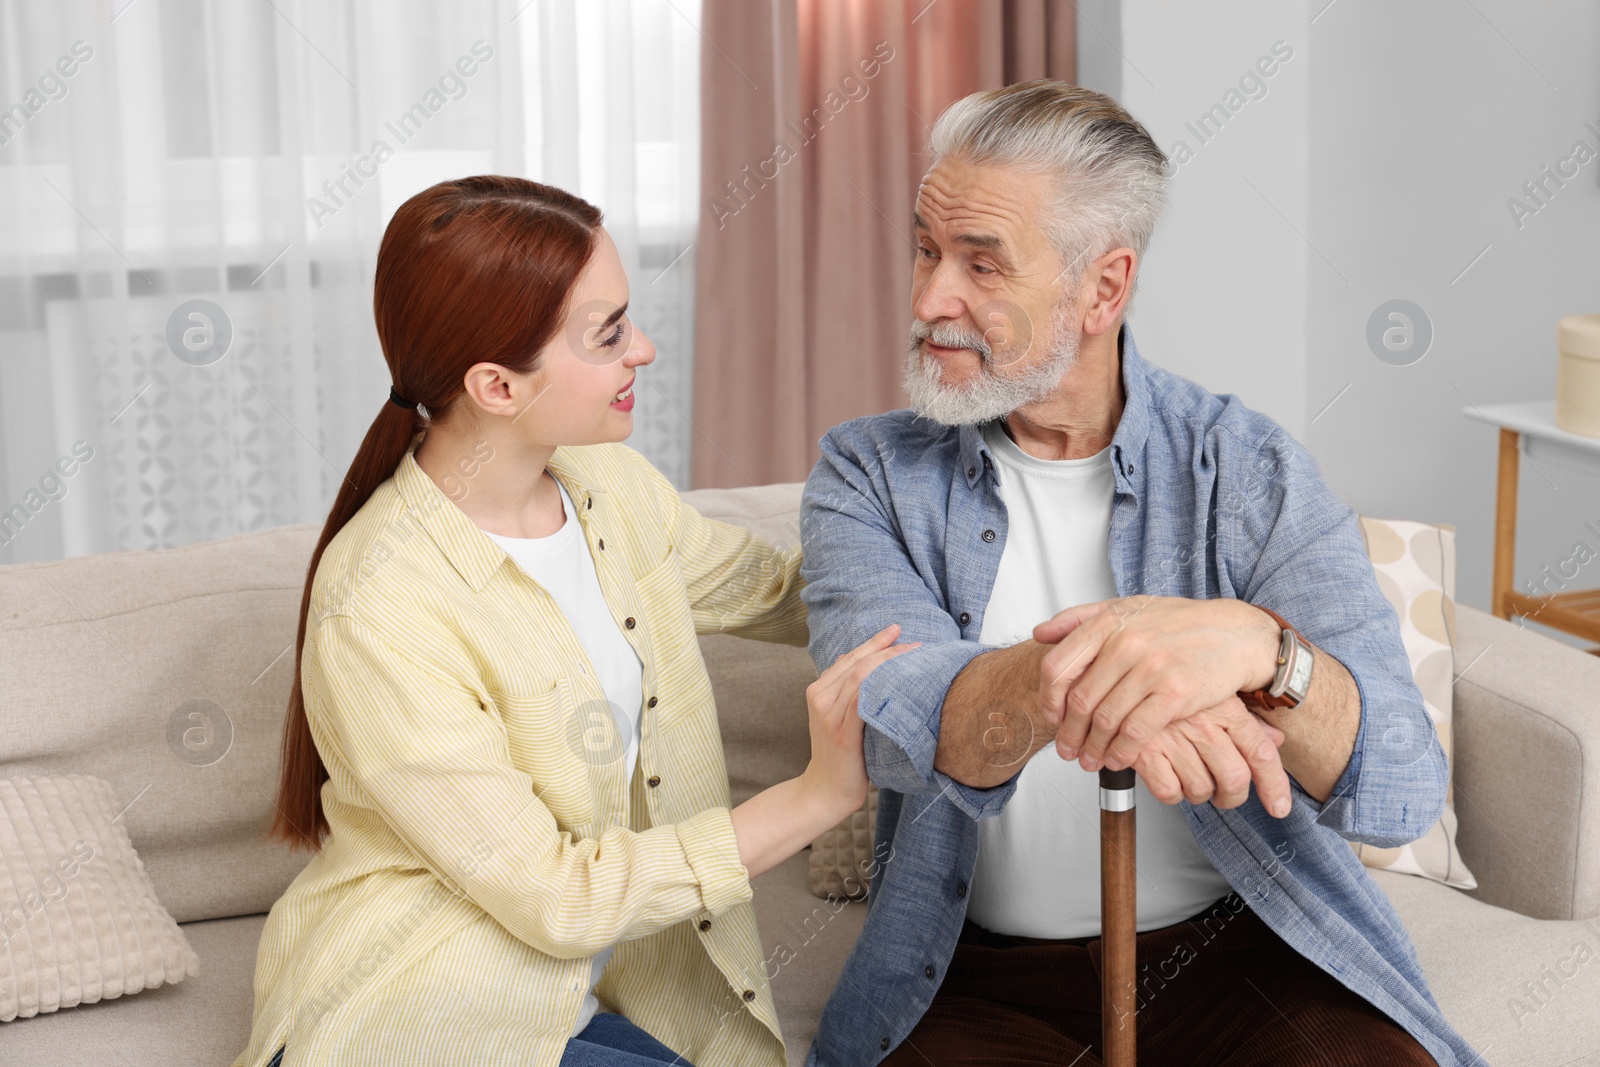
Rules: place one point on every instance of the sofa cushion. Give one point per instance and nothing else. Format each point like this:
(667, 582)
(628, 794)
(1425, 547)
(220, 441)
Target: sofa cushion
(205, 1020)
(79, 918)
(167, 674)
(1522, 991)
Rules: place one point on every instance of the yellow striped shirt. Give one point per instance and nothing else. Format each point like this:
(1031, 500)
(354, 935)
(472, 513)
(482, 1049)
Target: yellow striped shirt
(485, 843)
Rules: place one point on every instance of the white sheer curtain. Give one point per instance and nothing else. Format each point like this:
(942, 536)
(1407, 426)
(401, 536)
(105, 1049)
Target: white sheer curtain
(161, 153)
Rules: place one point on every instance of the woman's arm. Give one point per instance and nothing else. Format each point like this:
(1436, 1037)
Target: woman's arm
(418, 749)
(778, 822)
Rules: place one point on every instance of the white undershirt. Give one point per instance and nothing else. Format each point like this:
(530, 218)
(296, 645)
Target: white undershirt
(563, 567)
(1038, 872)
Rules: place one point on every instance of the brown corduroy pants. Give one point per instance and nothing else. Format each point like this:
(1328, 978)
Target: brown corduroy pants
(1218, 990)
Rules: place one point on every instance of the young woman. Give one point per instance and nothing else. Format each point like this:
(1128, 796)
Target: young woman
(501, 742)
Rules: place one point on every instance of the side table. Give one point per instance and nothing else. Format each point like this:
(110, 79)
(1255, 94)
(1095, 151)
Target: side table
(1528, 428)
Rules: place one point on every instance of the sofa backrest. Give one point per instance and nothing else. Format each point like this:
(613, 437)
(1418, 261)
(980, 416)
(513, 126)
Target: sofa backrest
(167, 673)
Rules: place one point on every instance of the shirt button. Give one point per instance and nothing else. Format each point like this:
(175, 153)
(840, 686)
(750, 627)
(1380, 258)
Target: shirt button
(884, 1044)
(653, 781)
(602, 544)
(628, 622)
(928, 971)
(971, 471)
(588, 503)
(749, 994)
(651, 702)
(988, 535)
(961, 889)
(705, 924)
(1129, 469)
(966, 618)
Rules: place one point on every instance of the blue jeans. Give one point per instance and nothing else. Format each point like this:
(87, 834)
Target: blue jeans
(608, 1041)
(612, 1041)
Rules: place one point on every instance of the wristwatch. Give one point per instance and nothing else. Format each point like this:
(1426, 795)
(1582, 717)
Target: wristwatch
(1292, 680)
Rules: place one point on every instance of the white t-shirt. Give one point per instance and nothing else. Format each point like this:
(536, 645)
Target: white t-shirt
(563, 567)
(1038, 872)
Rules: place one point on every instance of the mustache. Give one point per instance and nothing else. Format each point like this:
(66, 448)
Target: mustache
(949, 335)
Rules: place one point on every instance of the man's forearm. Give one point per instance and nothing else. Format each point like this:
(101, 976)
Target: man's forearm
(992, 722)
(1319, 736)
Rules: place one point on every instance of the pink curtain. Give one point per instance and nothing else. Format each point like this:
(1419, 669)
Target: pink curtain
(815, 114)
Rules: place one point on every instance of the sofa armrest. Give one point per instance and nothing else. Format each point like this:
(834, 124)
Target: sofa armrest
(1527, 768)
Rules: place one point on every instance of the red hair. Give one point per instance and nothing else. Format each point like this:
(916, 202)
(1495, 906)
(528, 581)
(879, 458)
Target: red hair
(476, 270)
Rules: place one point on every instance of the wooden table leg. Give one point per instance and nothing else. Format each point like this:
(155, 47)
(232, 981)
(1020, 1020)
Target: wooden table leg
(1505, 525)
(1119, 1004)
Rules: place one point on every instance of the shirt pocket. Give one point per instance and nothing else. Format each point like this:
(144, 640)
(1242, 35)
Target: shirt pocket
(572, 751)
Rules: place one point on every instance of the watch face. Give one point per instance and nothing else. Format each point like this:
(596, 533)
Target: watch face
(1300, 676)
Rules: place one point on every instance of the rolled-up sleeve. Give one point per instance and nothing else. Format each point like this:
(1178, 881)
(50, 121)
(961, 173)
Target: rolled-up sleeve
(1312, 568)
(422, 751)
(859, 579)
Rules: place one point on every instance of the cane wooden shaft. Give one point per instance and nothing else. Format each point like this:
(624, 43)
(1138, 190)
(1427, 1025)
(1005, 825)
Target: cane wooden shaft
(1118, 991)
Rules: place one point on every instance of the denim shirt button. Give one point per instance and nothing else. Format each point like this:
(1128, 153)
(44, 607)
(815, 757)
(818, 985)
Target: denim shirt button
(966, 618)
(972, 472)
(961, 889)
(884, 1044)
(988, 535)
(928, 971)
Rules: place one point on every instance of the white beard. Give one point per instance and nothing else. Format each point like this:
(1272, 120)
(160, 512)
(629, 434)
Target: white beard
(992, 394)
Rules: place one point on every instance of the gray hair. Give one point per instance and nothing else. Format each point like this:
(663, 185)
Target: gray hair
(1111, 179)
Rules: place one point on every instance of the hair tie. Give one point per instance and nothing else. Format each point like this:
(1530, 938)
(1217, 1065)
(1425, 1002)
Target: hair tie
(398, 399)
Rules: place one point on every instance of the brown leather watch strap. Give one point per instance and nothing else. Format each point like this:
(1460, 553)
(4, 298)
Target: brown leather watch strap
(1260, 698)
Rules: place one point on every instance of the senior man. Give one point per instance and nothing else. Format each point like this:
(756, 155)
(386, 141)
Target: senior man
(1103, 562)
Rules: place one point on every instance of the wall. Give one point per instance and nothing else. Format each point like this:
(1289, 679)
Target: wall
(1222, 297)
(1426, 119)
(1377, 166)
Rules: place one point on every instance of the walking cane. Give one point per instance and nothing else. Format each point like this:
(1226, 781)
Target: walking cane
(1118, 998)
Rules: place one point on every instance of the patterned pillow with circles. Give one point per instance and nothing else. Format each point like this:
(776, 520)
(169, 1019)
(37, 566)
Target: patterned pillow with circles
(1415, 564)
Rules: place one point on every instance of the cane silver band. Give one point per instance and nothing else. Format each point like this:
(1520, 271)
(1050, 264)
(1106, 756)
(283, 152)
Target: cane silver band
(1116, 799)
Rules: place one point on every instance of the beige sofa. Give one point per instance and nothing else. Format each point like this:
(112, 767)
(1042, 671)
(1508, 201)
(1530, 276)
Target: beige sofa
(102, 654)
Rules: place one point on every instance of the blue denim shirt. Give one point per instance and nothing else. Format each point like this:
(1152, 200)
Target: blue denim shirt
(901, 523)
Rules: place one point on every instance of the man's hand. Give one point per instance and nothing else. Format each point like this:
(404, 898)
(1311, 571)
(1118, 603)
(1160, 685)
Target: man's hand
(1122, 670)
(1214, 755)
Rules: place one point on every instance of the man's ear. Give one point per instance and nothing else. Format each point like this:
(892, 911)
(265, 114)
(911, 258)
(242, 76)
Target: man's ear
(1113, 275)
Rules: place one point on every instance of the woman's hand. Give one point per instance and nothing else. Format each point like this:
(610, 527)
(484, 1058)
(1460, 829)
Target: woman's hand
(781, 820)
(836, 777)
